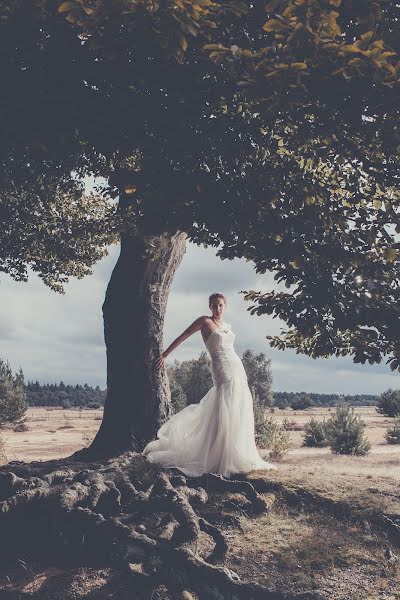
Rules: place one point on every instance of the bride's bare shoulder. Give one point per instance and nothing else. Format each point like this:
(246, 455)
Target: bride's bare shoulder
(205, 322)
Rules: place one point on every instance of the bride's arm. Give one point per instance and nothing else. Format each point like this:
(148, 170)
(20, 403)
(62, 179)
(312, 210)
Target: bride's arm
(195, 326)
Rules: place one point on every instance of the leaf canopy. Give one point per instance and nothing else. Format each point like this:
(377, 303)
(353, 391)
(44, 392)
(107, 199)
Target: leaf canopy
(267, 129)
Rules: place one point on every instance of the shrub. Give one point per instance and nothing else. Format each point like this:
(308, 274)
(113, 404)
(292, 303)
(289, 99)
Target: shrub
(315, 434)
(274, 437)
(268, 432)
(291, 425)
(259, 411)
(345, 431)
(13, 403)
(392, 434)
(21, 427)
(93, 405)
(389, 403)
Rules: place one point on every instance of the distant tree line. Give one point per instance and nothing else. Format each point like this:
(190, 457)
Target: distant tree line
(302, 400)
(190, 380)
(67, 396)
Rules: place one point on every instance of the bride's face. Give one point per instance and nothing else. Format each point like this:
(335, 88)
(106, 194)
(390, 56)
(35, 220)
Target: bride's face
(217, 308)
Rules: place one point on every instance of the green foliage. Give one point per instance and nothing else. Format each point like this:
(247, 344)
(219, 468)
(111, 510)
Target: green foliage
(178, 396)
(67, 396)
(389, 403)
(192, 379)
(345, 431)
(259, 412)
(315, 434)
(274, 437)
(301, 402)
(392, 434)
(292, 425)
(271, 135)
(285, 399)
(259, 375)
(268, 432)
(93, 405)
(13, 402)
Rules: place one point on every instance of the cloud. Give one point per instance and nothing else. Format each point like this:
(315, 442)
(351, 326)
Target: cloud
(55, 337)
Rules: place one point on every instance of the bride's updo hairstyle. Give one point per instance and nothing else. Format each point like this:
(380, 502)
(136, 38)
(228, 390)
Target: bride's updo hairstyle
(215, 296)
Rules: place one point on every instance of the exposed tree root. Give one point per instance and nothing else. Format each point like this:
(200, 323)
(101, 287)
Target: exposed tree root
(125, 513)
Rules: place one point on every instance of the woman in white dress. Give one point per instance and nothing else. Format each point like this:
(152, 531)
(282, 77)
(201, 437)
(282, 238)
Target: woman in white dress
(217, 434)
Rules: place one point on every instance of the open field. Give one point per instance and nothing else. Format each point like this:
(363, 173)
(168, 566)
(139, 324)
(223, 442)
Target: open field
(56, 433)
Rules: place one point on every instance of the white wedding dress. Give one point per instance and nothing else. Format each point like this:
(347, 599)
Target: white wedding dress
(217, 434)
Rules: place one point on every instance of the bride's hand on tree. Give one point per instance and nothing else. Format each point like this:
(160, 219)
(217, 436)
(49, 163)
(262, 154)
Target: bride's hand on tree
(160, 362)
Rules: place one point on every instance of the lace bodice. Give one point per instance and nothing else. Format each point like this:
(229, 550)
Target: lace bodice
(225, 363)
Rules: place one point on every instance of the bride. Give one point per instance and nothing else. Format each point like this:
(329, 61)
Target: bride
(217, 434)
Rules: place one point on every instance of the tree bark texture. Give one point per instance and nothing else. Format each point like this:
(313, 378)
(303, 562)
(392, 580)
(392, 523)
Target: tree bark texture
(138, 396)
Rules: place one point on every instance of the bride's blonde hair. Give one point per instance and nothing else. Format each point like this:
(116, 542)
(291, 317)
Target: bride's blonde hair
(215, 296)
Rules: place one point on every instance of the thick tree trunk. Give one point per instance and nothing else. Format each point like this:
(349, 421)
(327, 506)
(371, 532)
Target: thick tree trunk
(138, 395)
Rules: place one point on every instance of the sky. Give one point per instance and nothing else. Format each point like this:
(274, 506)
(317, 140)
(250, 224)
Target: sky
(56, 337)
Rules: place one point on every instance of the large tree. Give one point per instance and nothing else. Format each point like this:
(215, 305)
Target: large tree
(268, 130)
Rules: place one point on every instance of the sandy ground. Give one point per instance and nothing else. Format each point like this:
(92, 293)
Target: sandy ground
(56, 433)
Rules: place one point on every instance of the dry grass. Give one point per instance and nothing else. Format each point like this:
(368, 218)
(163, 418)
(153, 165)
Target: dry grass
(290, 549)
(314, 467)
(53, 433)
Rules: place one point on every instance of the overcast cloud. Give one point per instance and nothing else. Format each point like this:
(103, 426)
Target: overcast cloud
(54, 337)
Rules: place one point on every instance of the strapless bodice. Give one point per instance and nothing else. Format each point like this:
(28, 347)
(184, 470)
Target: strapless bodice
(221, 338)
(225, 363)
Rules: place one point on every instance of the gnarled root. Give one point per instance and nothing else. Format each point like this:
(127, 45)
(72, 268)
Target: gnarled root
(127, 513)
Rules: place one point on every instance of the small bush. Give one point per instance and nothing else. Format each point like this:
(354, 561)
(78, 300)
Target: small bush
(268, 432)
(345, 431)
(274, 437)
(21, 427)
(93, 405)
(389, 403)
(392, 434)
(315, 434)
(291, 425)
